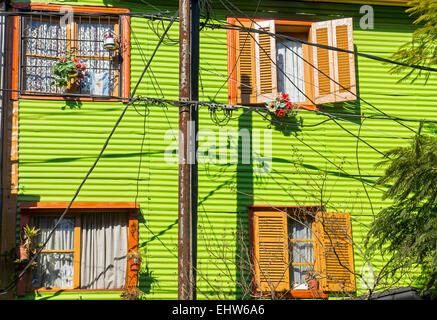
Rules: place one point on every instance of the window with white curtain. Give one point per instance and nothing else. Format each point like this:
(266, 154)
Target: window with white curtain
(87, 251)
(55, 264)
(301, 249)
(45, 40)
(291, 79)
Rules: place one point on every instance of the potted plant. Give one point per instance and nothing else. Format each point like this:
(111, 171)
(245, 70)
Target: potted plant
(312, 280)
(67, 69)
(281, 106)
(132, 293)
(111, 41)
(28, 246)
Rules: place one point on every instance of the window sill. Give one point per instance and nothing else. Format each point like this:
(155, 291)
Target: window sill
(71, 98)
(306, 106)
(307, 294)
(74, 290)
(293, 294)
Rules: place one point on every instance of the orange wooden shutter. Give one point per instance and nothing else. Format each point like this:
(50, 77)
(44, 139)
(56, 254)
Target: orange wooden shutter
(344, 62)
(246, 76)
(339, 66)
(265, 53)
(321, 33)
(334, 252)
(271, 259)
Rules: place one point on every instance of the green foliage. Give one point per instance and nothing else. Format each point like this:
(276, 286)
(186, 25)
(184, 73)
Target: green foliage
(422, 49)
(67, 68)
(30, 232)
(407, 230)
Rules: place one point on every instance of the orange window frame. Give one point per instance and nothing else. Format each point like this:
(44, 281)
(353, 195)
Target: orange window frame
(232, 54)
(297, 293)
(125, 55)
(28, 210)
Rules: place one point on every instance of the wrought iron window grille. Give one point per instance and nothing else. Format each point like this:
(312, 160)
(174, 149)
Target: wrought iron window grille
(45, 39)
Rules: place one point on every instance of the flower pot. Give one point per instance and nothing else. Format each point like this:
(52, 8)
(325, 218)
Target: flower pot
(72, 85)
(313, 284)
(24, 255)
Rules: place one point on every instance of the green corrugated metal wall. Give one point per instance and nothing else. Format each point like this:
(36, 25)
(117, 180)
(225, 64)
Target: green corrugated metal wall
(59, 142)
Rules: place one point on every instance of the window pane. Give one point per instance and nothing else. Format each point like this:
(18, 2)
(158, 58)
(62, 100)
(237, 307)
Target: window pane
(90, 38)
(54, 270)
(300, 228)
(43, 38)
(302, 252)
(39, 76)
(293, 81)
(62, 238)
(100, 75)
(297, 275)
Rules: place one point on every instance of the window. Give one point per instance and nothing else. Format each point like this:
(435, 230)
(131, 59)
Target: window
(287, 243)
(260, 65)
(301, 249)
(96, 260)
(89, 248)
(46, 38)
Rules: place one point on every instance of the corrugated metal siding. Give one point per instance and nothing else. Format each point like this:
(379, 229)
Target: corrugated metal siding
(58, 144)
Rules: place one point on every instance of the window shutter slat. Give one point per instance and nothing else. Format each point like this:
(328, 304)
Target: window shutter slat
(265, 53)
(345, 62)
(321, 33)
(334, 251)
(271, 251)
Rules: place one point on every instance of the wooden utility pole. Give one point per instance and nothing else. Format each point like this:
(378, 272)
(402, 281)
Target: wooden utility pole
(188, 116)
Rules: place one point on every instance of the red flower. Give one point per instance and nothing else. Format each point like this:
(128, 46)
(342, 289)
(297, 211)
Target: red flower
(289, 105)
(280, 113)
(63, 59)
(284, 96)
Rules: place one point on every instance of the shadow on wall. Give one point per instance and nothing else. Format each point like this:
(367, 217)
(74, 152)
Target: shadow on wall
(146, 277)
(72, 104)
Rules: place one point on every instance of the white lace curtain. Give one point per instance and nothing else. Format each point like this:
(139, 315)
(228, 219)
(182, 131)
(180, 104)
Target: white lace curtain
(45, 42)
